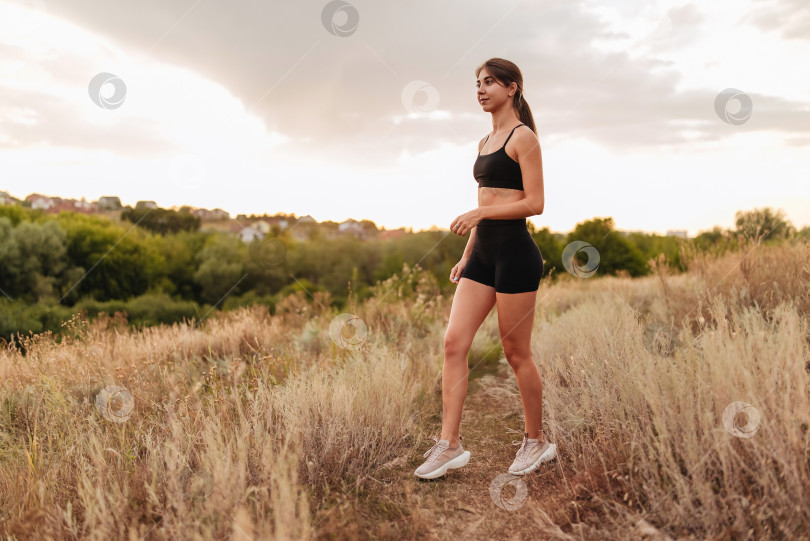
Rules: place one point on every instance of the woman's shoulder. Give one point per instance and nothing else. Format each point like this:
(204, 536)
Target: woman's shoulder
(524, 132)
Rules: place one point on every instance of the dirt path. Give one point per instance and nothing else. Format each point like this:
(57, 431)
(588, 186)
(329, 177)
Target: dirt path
(465, 502)
(481, 501)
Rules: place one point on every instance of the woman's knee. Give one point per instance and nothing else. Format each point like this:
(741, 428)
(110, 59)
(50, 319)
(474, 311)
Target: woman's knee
(456, 344)
(517, 354)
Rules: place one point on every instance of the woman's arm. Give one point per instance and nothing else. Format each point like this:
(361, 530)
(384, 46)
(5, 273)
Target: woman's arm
(470, 243)
(509, 211)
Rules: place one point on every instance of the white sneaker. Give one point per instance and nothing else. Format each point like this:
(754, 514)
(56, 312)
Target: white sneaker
(441, 458)
(531, 454)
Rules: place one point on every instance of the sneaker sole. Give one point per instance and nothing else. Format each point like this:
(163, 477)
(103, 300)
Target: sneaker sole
(458, 462)
(549, 454)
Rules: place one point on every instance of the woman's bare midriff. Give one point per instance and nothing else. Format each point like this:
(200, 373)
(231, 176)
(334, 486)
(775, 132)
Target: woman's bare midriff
(499, 196)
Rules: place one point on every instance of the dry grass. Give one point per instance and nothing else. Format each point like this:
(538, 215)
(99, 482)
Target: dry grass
(253, 426)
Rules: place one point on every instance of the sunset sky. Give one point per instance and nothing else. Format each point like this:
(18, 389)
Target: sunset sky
(368, 110)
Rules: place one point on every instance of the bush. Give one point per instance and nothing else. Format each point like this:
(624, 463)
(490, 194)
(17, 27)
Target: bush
(145, 310)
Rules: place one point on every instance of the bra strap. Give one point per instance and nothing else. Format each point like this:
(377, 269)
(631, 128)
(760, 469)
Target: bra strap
(510, 134)
(485, 144)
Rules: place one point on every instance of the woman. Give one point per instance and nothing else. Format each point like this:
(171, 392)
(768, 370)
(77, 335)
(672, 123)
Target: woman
(501, 264)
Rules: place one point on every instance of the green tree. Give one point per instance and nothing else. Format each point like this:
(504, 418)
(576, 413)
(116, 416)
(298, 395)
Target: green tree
(551, 247)
(615, 251)
(763, 224)
(717, 240)
(651, 246)
(162, 221)
(33, 257)
(18, 213)
(116, 265)
(220, 268)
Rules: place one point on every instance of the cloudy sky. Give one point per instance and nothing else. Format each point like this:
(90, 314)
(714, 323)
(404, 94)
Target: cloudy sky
(368, 110)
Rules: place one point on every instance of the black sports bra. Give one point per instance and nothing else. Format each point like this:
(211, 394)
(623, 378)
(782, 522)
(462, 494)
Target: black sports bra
(498, 169)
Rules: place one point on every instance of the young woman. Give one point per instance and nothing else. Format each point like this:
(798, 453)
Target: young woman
(501, 264)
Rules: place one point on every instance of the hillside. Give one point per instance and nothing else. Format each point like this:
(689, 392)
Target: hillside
(680, 405)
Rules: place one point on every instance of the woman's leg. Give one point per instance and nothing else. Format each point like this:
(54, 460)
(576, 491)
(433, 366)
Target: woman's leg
(515, 320)
(472, 302)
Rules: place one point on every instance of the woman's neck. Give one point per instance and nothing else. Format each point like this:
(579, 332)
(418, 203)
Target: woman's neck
(504, 120)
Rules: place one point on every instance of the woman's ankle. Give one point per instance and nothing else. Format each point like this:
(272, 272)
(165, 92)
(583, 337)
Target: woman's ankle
(454, 441)
(539, 436)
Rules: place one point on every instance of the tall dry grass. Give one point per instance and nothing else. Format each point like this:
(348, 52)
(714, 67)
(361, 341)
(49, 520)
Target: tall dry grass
(644, 421)
(253, 426)
(237, 422)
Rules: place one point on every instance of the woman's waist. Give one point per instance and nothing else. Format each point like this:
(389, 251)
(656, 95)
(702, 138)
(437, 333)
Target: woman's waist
(499, 196)
(489, 222)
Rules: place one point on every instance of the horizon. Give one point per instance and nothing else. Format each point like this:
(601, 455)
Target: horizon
(235, 217)
(666, 116)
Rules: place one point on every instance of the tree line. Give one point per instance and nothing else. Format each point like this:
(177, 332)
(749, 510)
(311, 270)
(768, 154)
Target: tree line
(164, 269)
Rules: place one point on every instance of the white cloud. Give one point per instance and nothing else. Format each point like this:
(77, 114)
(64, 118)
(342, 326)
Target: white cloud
(623, 118)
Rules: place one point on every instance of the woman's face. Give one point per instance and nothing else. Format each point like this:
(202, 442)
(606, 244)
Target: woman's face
(491, 94)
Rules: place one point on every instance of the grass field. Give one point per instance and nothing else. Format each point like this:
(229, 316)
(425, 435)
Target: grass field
(680, 407)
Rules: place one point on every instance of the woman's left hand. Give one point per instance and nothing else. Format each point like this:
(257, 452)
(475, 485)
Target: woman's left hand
(464, 223)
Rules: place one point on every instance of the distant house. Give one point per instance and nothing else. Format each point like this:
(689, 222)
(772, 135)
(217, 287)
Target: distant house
(677, 233)
(282, 223)
(67, 205)
(109, 202)
(262, 226)
(146, 205)
(352, 227)
(55, 205)
(249, 234)
(300, 234)
(39, 201)
(6, 198)
(392, 234)
(84, 205)
(206, 215)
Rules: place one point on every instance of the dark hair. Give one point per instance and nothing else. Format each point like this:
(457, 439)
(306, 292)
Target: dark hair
(506, 73)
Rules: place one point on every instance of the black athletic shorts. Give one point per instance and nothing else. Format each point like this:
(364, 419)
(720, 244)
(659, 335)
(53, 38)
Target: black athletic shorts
(505, 256)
